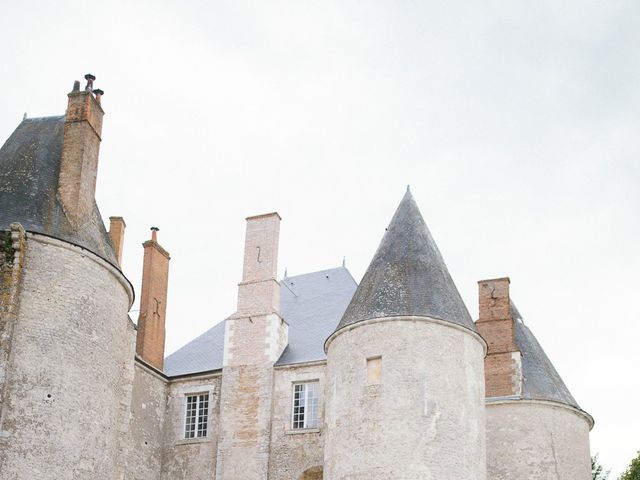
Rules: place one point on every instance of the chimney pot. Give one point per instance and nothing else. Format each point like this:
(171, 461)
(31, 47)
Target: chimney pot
(98, 93)
(154, 233)
(89, 78)
(76, 86)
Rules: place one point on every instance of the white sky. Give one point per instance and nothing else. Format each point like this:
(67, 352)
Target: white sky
(516, 124)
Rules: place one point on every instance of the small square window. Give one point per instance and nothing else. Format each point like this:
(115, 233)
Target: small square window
(197, 416)
(305, 406)
(374, 370)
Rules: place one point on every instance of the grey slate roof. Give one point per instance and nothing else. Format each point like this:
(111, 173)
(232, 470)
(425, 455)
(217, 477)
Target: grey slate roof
(312, 305)
(541, 379)
(29, 167)
(407, 276)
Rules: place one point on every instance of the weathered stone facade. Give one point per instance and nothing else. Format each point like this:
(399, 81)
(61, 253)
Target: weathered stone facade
(66, 375)
(429, 403)
(312, 377)
(537, 440)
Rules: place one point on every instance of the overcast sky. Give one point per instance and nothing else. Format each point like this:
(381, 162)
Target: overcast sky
(516, 124)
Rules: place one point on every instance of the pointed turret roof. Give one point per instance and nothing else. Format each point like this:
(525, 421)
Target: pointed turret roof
(407, 276)
(541, 379)
(29, 169)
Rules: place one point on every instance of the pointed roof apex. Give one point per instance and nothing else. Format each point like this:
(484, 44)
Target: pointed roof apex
(407, 276)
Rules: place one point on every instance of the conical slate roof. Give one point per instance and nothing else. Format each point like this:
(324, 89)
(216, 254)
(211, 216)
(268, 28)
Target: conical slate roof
(29, 168)
(541, 379)
(407, 276)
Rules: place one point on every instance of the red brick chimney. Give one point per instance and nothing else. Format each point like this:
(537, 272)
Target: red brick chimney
(153, 302)
(503, 364)
(80, 147)
(116, 233)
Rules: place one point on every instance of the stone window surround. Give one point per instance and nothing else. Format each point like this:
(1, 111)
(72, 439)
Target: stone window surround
(305, 378)
(181, 394)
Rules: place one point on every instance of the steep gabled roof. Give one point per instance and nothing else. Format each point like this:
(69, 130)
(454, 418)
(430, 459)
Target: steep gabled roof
(407, 276)
(29, 168)
(311, 304)
(541, 379)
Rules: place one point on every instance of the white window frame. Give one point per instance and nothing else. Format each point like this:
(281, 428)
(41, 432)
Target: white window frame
(196, 425)
(305, 403)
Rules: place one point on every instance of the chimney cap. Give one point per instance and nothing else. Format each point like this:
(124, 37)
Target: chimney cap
(98, 91)
(89, 76)
(155, 229)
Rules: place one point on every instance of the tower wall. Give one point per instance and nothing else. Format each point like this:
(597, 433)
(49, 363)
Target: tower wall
(65, 409)
(424, 420)
(537, 441)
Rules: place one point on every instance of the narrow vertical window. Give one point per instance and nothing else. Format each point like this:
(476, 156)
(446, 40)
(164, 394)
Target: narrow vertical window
(197, 416)
(305, 405)
(374, 370)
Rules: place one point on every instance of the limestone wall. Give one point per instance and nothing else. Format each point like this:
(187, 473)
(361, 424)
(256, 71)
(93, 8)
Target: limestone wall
(424, 420)
(67, 378)
(146, 426)
(537, 441)
(193, 459)
(294, 452)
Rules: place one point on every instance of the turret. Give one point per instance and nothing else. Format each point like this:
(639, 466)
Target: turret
(405, 382)
(535, 428)
(65, 381)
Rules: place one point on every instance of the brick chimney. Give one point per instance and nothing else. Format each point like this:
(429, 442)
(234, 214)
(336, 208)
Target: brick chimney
(153, 302)
(80, 147)
(503, 363)
(116, 234)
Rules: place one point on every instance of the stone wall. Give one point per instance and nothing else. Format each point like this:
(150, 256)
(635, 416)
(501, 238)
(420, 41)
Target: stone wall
(12, 253)
(66, 380)
(146, 425)
(425, 420)
(193, 459)
(537, 441)
(294, 452)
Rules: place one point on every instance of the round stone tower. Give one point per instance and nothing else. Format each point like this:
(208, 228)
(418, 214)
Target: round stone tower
(535, 428)
(67, 342)
(405, 382)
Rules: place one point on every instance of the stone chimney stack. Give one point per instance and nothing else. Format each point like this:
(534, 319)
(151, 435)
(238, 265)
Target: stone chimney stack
(80, 147)
(255, 337)
(116, 233)
(259, 291)
(153, 302)
(503, 363)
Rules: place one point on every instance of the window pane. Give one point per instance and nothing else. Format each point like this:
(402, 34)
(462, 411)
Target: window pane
(305, 405)
(190, 417)
(197, 416)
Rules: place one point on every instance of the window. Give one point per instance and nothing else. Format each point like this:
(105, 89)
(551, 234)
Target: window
(305, 405)
(374, 370)
(197, 416)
